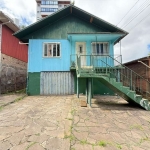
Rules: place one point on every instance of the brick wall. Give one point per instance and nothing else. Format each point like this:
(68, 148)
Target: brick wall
(143, 71)
(13, 74)
(140, 69)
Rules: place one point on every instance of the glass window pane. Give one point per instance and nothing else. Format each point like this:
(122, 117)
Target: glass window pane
(49, 53)
(105, 48)
(101, 47)
(58, 49)
(45, 49)
(98, 48)
(94, 48)
(54, 49)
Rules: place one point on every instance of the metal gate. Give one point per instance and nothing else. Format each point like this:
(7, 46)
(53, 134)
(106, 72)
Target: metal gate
(56, 83)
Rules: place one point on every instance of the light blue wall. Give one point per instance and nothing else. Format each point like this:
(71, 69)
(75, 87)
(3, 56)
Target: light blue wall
(88, 51)
(88, 44)
(38, 63)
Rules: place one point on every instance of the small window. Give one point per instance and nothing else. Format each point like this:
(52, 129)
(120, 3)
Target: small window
(80, 49)
(51, 50)
(100, 48)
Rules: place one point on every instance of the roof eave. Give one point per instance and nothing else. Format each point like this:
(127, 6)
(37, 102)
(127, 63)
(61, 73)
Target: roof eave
(4, 19)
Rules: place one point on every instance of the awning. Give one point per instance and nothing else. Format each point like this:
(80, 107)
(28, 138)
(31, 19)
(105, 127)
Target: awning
(104, 37)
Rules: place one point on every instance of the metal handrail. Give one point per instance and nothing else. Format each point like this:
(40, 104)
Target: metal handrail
(129, 77)
(130, 70)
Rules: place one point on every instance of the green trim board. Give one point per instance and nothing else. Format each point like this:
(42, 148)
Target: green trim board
(33, 87)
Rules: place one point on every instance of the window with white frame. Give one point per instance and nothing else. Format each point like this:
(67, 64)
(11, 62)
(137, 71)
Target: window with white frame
(51, 50)
(99, 48)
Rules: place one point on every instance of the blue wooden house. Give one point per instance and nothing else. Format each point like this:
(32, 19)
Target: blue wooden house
(72, 51)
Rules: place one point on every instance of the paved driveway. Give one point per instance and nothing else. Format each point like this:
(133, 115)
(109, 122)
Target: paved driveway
(59, 123)
(36, 123)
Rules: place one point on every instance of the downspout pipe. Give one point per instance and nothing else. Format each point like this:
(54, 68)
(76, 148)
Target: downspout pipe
(22, 43)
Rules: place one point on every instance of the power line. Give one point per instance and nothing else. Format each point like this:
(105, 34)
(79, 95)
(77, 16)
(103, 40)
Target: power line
(139, 9)
(139, 22)
(127, 12)
(136, 16)
(135, 12)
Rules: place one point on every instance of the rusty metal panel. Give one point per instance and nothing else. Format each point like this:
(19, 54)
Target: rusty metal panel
(56, 83)
(11, 46)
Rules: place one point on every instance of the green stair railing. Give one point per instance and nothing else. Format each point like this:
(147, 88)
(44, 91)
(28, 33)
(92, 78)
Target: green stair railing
(106, 64)
(132, 80)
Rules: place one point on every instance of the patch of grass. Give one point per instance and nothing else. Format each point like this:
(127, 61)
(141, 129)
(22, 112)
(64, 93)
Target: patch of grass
(119, 146)
(71, 137)
(1, 107)
(144, 139)
(73, 111)
(21, 91)
(73, 149)
(83, 142)
(16, 100)
(69, 118)
(30, 145)
(38, 134)
(87, 119)
(20, 98)
(102, 143)
(136, 126)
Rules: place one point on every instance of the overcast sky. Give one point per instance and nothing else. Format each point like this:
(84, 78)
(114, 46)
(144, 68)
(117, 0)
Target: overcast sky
(135, 45)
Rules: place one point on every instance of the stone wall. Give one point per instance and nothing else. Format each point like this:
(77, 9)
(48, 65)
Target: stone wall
(13, 74)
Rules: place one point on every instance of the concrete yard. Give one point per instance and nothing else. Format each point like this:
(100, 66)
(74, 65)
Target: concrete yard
(60, 123)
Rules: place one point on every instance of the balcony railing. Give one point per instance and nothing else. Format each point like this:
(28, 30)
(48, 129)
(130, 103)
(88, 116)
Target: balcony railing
(95, 60)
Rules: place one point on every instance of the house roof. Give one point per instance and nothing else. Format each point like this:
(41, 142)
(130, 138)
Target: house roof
(136, 60)
(8, 22)
(70, 9)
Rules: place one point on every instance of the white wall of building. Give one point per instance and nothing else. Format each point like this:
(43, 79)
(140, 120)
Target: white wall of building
(57, 6)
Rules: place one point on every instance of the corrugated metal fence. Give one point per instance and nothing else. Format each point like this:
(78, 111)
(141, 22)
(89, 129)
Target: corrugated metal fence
(56, 83)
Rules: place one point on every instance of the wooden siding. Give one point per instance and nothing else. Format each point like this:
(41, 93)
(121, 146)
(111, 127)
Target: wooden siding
(11, 46)
(60, 28)
(38, 63)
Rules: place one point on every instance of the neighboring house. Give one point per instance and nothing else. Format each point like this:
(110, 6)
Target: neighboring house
(142, 67)
(47, 7)
(72, 51)
(13, 57)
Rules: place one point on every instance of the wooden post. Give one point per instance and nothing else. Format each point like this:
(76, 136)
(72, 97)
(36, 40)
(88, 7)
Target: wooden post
(89, 90)
(92, 89)
(86, 90)
(77, 87)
